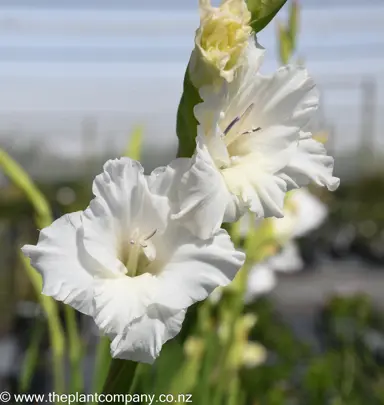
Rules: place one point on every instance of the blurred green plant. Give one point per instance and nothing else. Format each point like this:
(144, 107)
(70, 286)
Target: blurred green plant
(287, 34)
(135, 144)
(43, 218)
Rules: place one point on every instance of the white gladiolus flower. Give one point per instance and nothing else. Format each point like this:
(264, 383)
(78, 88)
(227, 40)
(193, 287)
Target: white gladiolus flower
(303, 213)
(261, 280)
(220, 42)
(126, 264)
(253, 146)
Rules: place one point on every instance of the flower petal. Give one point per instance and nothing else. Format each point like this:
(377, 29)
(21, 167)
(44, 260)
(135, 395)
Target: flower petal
(261, 280)
(164, 181)
(204, 197)
(123, 202)
(261, 191)
(60, 258)
(310, 212)
(195, 269)
(288, 260)
(146, 336)
(289, 97)
(311, 163)
(120, 301)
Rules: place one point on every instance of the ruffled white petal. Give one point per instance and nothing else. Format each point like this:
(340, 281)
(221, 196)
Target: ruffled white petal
(289, 97)
(122, 203)
(311, 163)
(195, 269)
(146, 335)
(60, 258)
(120, 301)
(203, 196)
(254, 131)
(263, 193)
(165, 181)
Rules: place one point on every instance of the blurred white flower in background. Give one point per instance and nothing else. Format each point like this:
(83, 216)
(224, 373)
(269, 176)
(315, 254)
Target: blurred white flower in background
(303, 213)
(126, 264)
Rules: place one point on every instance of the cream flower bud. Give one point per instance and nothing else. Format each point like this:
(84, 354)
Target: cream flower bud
(220, 40)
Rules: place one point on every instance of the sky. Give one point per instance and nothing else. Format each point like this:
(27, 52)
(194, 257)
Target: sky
(121, 63)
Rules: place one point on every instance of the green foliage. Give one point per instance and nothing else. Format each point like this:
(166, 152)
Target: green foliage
(263, 11)
(102, 364)
(31, 357)
(120, 377)
(57, 338)
(21, 180)
(287, 34)
(186, 124)
(293, 22)
(43, 218)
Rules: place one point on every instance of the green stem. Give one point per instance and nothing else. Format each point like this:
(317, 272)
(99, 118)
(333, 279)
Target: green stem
(102, 364)
(43, 218)
(75, 351)
(234, 391)
(55, 330)
(31, 357)
(121, 377)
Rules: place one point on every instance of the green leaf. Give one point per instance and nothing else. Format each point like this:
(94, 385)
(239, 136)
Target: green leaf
(263, 11)
(186, 125)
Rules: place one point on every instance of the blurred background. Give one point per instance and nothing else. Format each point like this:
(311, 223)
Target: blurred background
(78, 77)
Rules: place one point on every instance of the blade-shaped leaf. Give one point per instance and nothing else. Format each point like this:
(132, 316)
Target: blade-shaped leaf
(263, 12)
(186, 126)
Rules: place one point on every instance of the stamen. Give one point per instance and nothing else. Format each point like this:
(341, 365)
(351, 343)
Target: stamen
(247, 112)
(230, 126)
(151, 235)
(251, 131)
(237, 119)
(230, 138)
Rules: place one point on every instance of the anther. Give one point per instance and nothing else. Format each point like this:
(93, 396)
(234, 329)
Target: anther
(251, 131)
(230, 126)
(239, 118)
(151, 235)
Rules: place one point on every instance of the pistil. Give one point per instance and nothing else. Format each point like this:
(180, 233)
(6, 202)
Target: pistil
(135, 250)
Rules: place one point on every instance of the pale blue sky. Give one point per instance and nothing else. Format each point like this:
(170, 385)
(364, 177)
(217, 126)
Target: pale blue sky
(123, 61)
